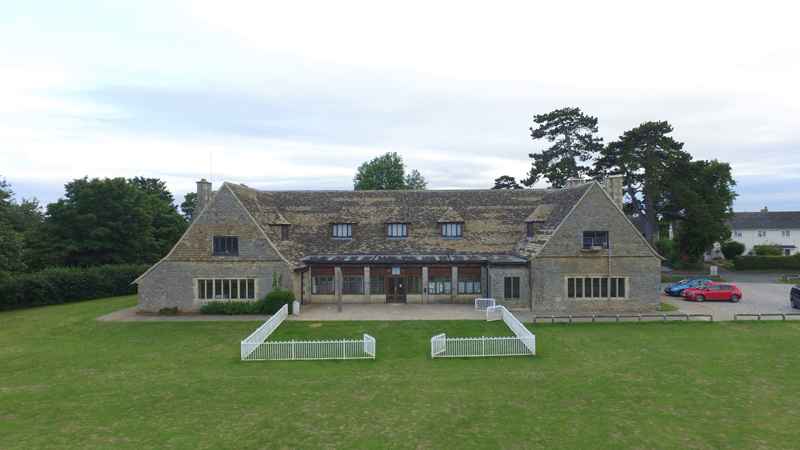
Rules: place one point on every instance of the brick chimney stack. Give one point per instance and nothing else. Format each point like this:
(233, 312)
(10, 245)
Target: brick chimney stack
(203, 196)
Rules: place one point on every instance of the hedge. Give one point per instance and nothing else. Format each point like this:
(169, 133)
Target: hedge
(768, 263)
(68, 284)
(271, 304)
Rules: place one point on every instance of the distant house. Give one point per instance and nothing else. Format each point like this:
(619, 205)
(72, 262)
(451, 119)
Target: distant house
(779, 228)
(559, 250)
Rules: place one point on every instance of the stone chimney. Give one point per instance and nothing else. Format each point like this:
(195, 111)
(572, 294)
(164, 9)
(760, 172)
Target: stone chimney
(573, 182)
(765, 210)
(203, 196)
(613, 186)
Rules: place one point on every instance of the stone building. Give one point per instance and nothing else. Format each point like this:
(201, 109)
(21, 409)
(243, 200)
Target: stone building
(551, 250)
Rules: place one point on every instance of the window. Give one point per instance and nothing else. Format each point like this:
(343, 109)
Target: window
(786, 233)
(322, 284)
(396, 230)
(342, 230)
(226, 289)
(353, 284)
(439, 285)
(762, 233)
(226, 246)
(284, 232)
(595, 239)
(530, 229)
(469, 285)
(377, 285)
(737, 234)
(596, 287)
(511, 287)
(452, 230)
(412, 284)
(787, 252)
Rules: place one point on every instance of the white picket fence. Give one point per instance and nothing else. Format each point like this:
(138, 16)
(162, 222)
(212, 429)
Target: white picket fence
(315, 350)
(522, 344)
(482, 304)
(256, 347)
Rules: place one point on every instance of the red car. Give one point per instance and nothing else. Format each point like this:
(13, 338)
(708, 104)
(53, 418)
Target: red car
(714, 291)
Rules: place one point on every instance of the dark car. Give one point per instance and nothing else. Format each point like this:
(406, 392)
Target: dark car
(676, 289)
(795, 297)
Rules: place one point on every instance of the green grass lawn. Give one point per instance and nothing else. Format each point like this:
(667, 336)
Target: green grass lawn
(67, 381)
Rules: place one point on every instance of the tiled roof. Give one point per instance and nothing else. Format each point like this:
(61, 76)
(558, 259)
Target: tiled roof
(494, 220)
(765, 220)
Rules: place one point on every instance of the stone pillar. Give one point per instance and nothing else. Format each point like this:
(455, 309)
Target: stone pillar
(453, 283)
(337, 286)
(366, 284)
(485, 293)
(203, 197)
(424, 284)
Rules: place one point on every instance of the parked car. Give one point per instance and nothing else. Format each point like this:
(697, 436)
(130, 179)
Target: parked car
(794, 297)
(676, 289)
(714, 291)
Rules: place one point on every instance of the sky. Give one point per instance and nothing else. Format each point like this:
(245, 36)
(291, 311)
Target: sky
(295, 95)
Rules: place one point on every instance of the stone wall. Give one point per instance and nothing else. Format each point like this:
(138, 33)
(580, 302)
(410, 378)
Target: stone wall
(172, 283)
(497, 276)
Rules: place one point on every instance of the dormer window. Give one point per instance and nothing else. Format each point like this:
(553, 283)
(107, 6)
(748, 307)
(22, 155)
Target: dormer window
(452, 230)
(396, 230)
(342, 231)
(595, 240)
(226, 246)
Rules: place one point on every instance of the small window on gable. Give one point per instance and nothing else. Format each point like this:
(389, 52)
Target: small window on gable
(452, 230)
(284, 232)
(397, 230)
(530, 229)
(595, 240)
(342, 230)
(226, 246)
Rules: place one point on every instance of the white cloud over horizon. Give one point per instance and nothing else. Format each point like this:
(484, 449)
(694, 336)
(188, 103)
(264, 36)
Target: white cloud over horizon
(297, 94)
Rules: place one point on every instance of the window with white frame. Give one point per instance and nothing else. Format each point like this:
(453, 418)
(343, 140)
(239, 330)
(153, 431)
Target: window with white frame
(226, 288)
(452, 230)
(762, 233)
(737, 234)
(469, 284)
(786, 233)
(353, 284)
(595, 239)
(342, 230)
(439, 285)
(397, 230)
(596, 287)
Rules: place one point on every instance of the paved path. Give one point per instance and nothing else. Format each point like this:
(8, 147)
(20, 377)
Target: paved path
(752, 277)
(757, 298)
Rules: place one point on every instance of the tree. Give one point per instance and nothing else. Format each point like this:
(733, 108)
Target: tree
(506, 182)
(11, 241)
(387, 172)
(415, 181)
(699, 195)
(646, 157)
(188, 206)
(109, 221)
(574, 142)
(732, 249)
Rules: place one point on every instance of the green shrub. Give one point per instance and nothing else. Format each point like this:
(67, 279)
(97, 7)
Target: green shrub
(230, 308)
(68, 284)
(732, 249)
(273, 302)
(767, 250)
(768, 263)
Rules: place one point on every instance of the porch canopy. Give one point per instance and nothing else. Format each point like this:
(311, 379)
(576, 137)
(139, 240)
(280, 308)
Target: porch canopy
(381, 259)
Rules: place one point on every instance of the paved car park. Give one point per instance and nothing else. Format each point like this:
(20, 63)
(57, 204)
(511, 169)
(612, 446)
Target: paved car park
(756, 298)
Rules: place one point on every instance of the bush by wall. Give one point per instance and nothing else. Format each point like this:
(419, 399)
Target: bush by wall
(271, 304)
(768, 263)
(68, 284)
(767, 250)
